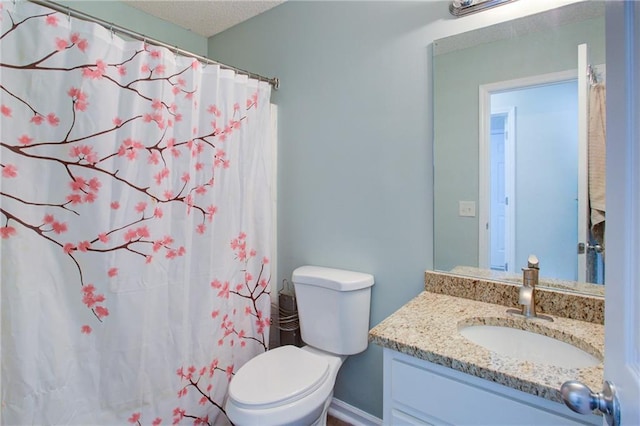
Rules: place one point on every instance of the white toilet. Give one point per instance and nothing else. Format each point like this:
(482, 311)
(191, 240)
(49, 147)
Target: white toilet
(294, 386)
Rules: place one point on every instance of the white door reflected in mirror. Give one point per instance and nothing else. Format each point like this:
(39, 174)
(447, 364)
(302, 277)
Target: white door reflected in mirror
(532, 179)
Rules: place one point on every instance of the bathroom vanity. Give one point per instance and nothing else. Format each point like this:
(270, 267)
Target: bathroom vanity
(435, 375)
(419, 392)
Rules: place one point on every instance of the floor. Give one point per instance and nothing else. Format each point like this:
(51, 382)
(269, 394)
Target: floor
(332, 421)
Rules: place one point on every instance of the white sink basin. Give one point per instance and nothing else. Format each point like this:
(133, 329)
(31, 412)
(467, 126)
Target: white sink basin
(528, 346)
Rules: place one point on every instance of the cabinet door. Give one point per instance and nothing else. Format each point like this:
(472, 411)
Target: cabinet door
(435, 394)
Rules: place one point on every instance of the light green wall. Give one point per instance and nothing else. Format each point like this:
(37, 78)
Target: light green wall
(354, 155)
(121, 14)
(458, 75)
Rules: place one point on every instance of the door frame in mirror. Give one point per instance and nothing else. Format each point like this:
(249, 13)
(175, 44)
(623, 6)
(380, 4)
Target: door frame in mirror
(484, 143)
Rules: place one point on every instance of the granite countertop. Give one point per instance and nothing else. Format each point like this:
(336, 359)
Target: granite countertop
(582, 287)
(427, 328)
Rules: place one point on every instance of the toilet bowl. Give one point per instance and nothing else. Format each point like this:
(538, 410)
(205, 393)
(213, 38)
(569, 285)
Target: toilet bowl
(294, 386)
(285, 386)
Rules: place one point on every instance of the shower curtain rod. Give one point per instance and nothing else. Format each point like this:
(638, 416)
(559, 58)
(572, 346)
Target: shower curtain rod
(275, 82)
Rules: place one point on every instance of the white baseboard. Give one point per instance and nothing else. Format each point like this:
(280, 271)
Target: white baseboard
(348, 413)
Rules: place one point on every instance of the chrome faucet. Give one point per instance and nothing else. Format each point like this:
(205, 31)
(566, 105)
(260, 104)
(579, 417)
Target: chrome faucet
(527, 295)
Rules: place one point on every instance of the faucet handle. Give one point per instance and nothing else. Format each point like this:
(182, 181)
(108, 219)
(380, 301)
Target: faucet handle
(533, 262)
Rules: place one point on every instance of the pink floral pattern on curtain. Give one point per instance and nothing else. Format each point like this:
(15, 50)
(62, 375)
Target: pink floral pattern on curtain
(135, 226)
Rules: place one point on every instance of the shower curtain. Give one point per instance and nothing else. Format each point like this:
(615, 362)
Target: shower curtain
(134, 222)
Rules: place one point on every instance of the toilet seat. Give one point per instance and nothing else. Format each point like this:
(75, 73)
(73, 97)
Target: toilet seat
(277, 377)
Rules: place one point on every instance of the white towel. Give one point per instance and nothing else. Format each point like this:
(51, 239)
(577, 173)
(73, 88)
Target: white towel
(597, 159)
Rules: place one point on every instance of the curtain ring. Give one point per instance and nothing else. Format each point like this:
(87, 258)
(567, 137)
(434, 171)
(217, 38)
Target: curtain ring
(68, 14)
(111, 31)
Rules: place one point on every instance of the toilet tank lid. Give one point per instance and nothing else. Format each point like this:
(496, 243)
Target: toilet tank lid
(335, 279)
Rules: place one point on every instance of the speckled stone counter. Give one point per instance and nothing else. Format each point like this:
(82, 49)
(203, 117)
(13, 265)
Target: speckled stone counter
(427, 328)
(576, 286)
(568, 304)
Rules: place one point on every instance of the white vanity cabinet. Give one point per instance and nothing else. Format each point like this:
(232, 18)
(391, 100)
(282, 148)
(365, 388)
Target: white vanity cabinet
(418, 392)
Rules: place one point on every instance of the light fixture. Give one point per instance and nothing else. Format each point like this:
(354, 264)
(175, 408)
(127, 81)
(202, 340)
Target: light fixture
(466, 7)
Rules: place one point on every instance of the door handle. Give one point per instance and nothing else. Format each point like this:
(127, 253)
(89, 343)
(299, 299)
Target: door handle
(582, 248)
(581, 399)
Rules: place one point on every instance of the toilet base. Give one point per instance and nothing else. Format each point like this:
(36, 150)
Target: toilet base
(322, 420)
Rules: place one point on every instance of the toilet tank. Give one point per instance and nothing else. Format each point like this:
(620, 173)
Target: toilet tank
(333, 308)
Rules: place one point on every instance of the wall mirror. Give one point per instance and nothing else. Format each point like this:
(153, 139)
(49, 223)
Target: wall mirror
(515, 129)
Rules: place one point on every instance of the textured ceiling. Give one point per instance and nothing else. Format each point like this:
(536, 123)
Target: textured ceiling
(204, 17)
